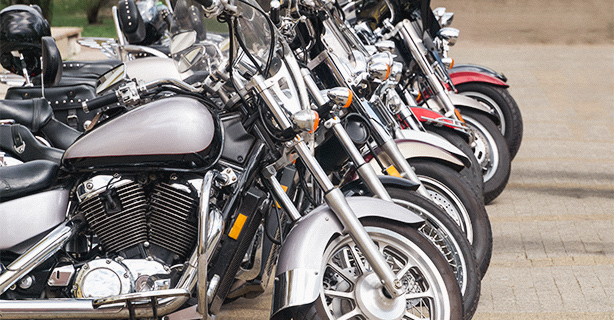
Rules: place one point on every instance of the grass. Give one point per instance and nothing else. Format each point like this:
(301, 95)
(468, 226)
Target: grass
(71, 13)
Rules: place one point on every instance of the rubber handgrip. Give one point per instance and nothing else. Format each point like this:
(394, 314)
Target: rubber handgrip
(97, 103)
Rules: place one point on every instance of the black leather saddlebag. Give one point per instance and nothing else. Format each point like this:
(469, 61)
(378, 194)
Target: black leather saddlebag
(64, 100)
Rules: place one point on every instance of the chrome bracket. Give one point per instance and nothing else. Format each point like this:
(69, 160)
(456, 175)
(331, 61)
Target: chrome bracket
(228, 177)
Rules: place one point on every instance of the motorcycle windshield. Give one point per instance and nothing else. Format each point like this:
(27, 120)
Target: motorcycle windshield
(147, 9)
(254, 31)
(202, 52)
(262, 51)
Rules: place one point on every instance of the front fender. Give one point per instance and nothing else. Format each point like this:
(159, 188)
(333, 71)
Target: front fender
(433, 146)
(472, 73)
(419, 144)
(461, 102)
(298, 278)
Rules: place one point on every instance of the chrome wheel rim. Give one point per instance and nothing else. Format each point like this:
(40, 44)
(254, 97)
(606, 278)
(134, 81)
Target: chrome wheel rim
(350, 290)
(486, 150)
(446, 244)
(451, 204)
(491, 103)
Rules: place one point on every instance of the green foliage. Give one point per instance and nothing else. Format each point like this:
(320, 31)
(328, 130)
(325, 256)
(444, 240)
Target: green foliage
(72, 13)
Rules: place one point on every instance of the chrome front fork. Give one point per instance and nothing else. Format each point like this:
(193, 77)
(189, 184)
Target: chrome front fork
(335, 200)
(412, 39)
(365, 171)
(390, 147)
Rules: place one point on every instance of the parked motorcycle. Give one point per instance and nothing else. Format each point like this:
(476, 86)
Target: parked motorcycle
(406, 23)
(480, 83)
(137, 219)
(336, 65)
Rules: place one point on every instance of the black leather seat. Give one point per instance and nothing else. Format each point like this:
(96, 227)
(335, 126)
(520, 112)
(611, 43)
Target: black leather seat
(19, 141)
(37, 115)
(34, 113)
(65, 99)
(24, 179)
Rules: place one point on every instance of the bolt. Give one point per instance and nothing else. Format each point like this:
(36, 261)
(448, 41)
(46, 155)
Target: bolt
(398, 284)
(89, 185)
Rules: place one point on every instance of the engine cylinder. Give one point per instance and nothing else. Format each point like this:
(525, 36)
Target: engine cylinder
(118, 215)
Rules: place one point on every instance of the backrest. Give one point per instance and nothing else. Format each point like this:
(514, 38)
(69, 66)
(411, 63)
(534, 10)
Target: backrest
(131, 21)
(52, 62)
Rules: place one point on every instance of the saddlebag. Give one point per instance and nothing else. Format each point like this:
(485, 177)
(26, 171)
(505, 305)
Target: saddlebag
(64, 100)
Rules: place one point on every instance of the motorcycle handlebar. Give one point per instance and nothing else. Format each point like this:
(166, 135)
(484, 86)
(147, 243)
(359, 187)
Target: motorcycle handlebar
(100, 102)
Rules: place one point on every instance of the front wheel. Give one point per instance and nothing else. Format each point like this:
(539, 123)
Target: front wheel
(504, 105)
(492, 153)
(350, 290)
(442, 231)
(450, 191)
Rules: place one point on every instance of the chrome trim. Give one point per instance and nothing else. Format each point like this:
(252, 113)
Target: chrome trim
(299, 260)
(140, 296)
(296, 287)
(84, 308)
(202, 252)
(284, 201)
(37, 254)
(337, 202)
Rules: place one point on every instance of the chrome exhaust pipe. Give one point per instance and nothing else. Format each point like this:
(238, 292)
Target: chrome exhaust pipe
(86, 308)
(38, 253)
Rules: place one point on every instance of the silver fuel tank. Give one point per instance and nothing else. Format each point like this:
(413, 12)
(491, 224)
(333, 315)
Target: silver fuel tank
(176, 132)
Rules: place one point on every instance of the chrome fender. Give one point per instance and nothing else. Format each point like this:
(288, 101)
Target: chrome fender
(298, 278)
(461, 101)
(417, 144)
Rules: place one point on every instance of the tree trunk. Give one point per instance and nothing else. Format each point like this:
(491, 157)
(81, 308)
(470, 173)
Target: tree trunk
(93, 9)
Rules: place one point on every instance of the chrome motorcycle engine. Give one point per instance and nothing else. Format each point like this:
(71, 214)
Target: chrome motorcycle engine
(139, 226)
(101, 278)
(142, 215)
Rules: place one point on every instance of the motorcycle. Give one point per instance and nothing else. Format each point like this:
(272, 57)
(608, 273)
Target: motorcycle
(406, 23)
(331, 66)
(133, 215)
(480, 83)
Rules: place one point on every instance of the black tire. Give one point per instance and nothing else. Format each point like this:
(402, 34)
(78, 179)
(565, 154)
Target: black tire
(492, 152)
(475, 171)
(443, 232)
(432, 270)
(505, 106)
(450, 191)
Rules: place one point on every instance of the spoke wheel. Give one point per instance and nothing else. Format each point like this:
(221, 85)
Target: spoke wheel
(492, 153)
(350, 290)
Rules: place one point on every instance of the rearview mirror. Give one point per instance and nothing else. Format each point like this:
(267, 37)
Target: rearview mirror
(182, 41)
(110, 78)
(189, 58)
